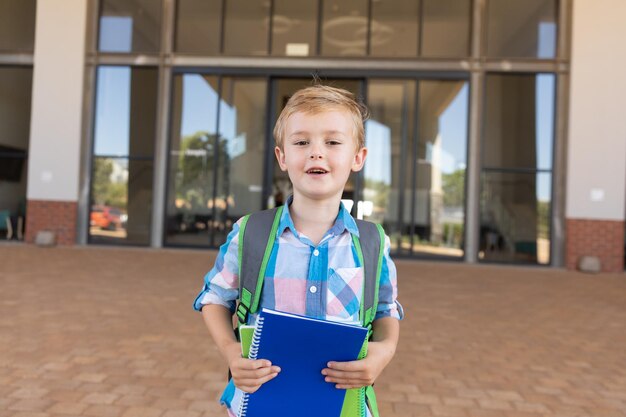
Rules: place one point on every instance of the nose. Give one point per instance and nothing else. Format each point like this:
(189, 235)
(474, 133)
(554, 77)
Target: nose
(316, 151)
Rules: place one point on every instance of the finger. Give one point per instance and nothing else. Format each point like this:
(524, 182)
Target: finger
(256, 373)
(267, 378)
(256, 364)
(349, 386)
(346, 380)
(255, 382)
(351, 366)
(342, 374)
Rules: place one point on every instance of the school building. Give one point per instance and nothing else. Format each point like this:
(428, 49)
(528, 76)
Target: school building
(497, 129)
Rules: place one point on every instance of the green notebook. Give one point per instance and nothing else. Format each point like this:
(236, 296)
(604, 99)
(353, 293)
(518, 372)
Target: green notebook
(245, 336)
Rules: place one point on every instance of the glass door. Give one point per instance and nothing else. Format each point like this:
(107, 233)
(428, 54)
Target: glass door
(414, 176)
(217, 148)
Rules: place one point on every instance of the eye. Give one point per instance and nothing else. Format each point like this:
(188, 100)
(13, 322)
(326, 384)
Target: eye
(301, 142)
(333, 142)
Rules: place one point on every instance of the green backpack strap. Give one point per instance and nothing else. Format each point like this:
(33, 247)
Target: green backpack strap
(370, 247)
(256, 240)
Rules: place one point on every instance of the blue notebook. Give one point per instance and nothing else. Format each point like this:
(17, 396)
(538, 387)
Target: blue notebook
(301, 347)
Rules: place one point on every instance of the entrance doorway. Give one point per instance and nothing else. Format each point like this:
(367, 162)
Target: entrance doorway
(221, 162)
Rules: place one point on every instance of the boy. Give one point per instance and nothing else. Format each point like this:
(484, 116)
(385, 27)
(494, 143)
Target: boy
(313, 269)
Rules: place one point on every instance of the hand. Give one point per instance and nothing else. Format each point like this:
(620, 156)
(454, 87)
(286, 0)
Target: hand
(249, 375)
(360, 373)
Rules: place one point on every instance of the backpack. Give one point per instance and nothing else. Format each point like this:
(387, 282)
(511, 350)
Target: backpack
(257, 233)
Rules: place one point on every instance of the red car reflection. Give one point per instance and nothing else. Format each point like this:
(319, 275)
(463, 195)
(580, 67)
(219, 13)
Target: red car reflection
(108, 218)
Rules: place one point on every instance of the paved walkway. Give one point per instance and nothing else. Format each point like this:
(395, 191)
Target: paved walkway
(110, 332)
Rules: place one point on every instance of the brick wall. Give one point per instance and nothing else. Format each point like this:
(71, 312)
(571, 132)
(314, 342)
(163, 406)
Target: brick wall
(601, 238)
(56, 216)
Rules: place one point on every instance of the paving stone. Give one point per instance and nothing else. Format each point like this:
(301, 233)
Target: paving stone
(477, 340)
(30, 414)
(30, 404)
(91, 377)
(181, 413)
(99, 398)
(72, 408)
(135, 400)
(142, 412)
(33, 392)
(100, 410)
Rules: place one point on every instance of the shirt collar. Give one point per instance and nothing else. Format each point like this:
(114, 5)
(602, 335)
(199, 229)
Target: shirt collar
(343, 221)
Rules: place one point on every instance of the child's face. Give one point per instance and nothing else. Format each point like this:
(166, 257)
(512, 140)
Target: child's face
(319, 152)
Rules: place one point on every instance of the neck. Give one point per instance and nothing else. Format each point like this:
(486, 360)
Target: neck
(310, 215)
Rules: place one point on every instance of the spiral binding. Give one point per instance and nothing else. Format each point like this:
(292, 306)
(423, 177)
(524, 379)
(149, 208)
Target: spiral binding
(254, 350)
(362, 404)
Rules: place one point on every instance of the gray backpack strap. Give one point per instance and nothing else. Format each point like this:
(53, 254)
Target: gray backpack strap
(370, 245)
(256, 238)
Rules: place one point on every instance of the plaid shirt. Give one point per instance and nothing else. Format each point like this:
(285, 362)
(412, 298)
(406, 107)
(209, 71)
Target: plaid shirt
(323, 281)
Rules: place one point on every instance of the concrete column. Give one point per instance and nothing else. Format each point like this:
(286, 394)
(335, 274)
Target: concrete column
(596, 166)
(55, 129)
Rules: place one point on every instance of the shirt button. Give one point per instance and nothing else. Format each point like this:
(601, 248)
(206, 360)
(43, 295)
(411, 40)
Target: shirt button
(316, 252)
(313, 289)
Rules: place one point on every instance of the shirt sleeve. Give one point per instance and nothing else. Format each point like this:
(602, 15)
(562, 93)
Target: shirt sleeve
(388, 305)
(221, 283)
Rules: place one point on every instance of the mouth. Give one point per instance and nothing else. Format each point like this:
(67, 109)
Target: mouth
(317, 171)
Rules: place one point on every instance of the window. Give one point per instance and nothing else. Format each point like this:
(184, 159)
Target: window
(387, 171)
(446, 28)
(524, 29)
(294, 28)
(17, 25)
(198, 26)
(394, 26)
(217, 150)
(344, 28)
(130, 26)
(122, 171)
(517, 168)
(246, 27)
(439, 218)
(15, 106)
(416, 188)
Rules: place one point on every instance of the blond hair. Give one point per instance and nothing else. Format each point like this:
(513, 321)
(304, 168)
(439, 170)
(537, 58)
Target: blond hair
(320, 98)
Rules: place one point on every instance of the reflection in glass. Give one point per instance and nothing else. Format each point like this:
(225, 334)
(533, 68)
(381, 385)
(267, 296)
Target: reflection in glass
(520, 115)
(17, 25)
(241, 148)
(192, 160)
(525, 29)
(15, 109)
(394, 28)
(124, 135)
(198, 26)
(439, 216)
(515, 217)
(130, 26)
(389, 130)
(246, 27)
(294, 28)
(344, 28)
(121, 201)
(446, 28)
(125, 108)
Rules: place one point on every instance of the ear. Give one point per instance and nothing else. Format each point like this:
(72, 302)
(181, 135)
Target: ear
(359, 159)
(280, 157)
